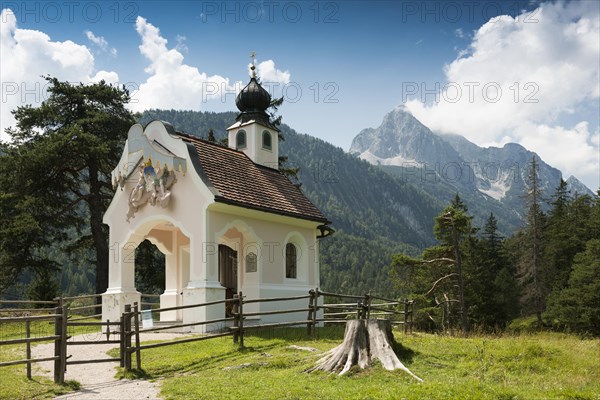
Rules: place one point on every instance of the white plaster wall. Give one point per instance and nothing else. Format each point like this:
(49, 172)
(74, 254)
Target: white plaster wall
(267, 237)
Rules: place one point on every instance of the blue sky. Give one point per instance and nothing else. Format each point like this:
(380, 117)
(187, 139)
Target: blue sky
(342, 64)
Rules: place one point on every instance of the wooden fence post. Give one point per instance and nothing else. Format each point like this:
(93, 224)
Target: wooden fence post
(65, 336)
(138, 358)
(315, 311)
(127, 318)
(122, 341)
(236, 322)
(367, 306)
(311, 311)
(411, 316)
(405, 315)
(241, 318)
(28, 335)
(57, 343)
(107, 330)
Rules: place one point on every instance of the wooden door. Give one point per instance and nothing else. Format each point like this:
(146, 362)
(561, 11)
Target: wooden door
(228, 273)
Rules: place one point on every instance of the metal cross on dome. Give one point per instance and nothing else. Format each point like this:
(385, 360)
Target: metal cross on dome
(252, 67)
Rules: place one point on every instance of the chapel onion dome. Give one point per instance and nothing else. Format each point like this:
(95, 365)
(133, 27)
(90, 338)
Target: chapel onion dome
(253, 102)
(253, 98)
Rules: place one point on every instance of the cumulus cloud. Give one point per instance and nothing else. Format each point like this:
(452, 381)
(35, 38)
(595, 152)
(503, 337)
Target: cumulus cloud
(174, 84)
(268, 73)
(29, 54)
(519, 80)
(101, 43)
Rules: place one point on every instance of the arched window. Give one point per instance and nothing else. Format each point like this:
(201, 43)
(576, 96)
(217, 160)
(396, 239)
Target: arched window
(266, 140)
(240, 140)
(291, 262)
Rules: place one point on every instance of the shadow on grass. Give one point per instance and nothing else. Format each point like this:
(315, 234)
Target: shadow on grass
(405, 354)
(297, 334)
(205, 362)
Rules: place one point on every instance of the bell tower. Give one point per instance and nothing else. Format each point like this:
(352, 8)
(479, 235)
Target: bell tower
(253, 133)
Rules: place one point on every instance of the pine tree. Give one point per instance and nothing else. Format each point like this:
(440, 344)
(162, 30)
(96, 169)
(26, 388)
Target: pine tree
(492, 279)
(451, 228)
(533, 272)
(55, 173)
(577, 307)
(561, 237)
(211, 135)
(44, 286)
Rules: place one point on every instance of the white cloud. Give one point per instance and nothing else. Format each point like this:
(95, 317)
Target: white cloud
(574, 151)
(29, 54)
(268, 73)
(546, 66)
(101, 43)
(174, 84)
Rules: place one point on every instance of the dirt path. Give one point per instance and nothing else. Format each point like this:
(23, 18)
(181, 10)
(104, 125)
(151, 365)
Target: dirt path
(98, 380)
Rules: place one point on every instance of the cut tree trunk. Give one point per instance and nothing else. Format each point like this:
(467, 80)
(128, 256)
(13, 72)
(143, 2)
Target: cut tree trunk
(364, 341)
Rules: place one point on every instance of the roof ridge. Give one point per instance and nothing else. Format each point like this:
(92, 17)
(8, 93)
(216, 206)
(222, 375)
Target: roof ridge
(200, 139)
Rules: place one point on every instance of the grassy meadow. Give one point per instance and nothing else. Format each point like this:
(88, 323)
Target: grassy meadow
(13, 379)
(525, 366)
(531, 366)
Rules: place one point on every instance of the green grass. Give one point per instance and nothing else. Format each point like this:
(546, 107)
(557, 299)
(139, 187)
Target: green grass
(527, 366)
(538, 366)
(13, 379)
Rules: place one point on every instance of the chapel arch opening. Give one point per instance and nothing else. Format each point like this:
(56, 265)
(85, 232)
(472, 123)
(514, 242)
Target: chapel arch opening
(174, 247)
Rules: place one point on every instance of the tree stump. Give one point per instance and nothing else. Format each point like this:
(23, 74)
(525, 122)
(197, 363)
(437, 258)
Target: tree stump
(364, 341)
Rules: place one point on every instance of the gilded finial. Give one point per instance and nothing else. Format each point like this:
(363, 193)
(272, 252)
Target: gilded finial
(253, 67)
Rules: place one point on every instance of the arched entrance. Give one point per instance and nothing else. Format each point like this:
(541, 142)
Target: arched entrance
(175, 245)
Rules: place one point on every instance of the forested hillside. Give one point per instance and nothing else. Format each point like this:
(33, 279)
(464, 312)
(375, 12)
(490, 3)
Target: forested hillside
(374, 213)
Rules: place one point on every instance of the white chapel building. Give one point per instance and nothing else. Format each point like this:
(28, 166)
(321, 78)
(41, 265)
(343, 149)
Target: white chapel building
(226, 218)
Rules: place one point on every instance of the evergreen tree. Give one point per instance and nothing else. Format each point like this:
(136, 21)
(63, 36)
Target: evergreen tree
(491, 290)
(577, 307)
(211, 135)
(44, 286)
(561, 237)
(55, 174)
(436, 278)
(451, 228)
(533, 272)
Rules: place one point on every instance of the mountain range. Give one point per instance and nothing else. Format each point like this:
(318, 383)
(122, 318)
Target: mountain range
(489, 178)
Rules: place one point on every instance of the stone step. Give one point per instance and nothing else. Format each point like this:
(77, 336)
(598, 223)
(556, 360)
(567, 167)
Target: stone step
(160, 324)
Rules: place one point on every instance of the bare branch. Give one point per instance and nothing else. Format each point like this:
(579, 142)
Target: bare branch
(437, 260)
(438, 281)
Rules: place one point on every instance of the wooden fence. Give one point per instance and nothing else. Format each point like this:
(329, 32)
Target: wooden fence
(340, 308)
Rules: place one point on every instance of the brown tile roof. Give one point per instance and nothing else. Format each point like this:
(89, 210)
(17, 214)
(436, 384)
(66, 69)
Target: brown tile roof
(235, 179)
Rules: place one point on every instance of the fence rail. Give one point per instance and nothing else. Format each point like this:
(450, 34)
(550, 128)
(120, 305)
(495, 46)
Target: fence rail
(128, 327)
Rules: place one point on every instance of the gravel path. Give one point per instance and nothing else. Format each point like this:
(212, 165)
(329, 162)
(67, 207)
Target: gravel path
(98, 379)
